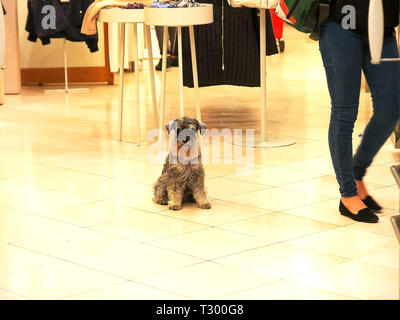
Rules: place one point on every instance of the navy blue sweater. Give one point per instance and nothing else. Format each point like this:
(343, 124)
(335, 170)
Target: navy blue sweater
(68, 22)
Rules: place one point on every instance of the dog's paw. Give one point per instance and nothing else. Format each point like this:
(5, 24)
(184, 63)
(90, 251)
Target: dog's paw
(161, 201)
(205, 206)
(175, 208)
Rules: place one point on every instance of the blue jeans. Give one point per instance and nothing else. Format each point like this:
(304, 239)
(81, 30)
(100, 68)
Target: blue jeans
(345, 54)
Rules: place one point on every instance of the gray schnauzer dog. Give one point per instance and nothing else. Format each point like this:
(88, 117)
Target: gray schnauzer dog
(182, 177)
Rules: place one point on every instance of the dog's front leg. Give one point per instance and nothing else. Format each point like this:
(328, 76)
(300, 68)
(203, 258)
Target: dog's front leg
(175, 196)
(200, 195)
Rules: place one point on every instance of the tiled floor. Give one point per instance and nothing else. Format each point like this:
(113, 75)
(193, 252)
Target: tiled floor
(77, 219)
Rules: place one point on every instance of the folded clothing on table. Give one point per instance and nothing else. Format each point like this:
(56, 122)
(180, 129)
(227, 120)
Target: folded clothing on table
(90, 19)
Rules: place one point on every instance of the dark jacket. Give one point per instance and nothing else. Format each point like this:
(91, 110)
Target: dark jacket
(390, 7)
(68, 22)
(228, 50)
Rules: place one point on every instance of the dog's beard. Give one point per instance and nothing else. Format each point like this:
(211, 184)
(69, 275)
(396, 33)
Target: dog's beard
(184, 153)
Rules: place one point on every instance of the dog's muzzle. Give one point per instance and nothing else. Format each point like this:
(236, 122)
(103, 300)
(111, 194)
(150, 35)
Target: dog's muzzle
(187, 135)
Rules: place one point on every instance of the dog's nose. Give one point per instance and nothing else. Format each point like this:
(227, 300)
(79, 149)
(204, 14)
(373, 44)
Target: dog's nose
(186, 135)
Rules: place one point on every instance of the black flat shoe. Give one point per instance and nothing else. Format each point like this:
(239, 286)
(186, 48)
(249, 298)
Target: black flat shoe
(159, 64)
(174, 62)
(372, 204)
(364, 215)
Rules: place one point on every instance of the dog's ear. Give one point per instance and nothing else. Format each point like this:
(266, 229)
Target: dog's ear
(171, 126)
(201, 127)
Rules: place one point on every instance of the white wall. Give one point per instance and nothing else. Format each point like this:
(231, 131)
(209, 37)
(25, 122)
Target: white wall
(35, 55)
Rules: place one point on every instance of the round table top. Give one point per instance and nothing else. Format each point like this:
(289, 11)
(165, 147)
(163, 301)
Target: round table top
(202, 14)
(121, 15)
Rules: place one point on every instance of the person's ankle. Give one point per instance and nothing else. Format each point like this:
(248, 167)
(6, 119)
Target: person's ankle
(361, 189)
(354, 204)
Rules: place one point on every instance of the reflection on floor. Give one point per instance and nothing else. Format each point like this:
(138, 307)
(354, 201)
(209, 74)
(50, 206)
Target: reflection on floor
(77, 219)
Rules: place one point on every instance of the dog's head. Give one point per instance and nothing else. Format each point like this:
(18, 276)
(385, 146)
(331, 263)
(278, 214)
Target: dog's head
(186, 129)
(184, 143)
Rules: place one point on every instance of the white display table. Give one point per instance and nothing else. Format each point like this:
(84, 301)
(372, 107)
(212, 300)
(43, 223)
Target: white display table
(179, 17)
(134, 16)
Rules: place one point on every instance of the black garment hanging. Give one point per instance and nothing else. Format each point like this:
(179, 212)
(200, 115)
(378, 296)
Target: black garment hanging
(67, 21)
(228, 50)
(390, 8)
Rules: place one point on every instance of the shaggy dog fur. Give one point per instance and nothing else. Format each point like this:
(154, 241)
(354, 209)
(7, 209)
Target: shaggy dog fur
(182, 177)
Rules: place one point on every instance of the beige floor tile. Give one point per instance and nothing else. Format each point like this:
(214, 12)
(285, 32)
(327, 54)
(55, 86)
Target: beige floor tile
(121, 168)
(383, 227)
(394, 295)
(285, 290)
(105, 189)
(391, 164)
(4, 295)
(18, 227)
(278, 226)
(386, 155)
(228, 167)
(318, 165)
(226, 187)
(82, 159)
(206, 280)
(211, 243)
(46, 176)
(347, 243)
(221, 212)
(355, 279)
(56, 281)
(276, 199)
(275, 176)
(75, 244)
(137, 261)
(386, 258)
(387, 197)
(281, 260)
(127, 291)
(37, 200)
(141, 200)
(91, 214)
(325, 211)
(14, 259)
(379, 175)
(146, 226)
(326, 186)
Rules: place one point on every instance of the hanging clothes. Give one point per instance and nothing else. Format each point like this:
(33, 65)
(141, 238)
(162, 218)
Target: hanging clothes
(228, 50)
(66, 23)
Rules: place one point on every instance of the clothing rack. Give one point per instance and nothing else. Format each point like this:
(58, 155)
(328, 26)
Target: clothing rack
(66, 89)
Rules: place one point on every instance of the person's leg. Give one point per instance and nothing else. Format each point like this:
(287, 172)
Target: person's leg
(160, 38)
(384, 83)
(342, 54)
(173, 39)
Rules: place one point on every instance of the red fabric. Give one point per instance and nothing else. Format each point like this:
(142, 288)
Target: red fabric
(278, 25)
